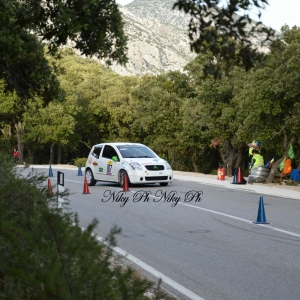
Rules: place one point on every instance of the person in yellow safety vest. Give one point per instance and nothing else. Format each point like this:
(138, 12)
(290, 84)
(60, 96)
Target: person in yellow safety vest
(257, 160)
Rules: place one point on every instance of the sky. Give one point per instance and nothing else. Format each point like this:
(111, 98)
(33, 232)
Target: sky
(275, 15)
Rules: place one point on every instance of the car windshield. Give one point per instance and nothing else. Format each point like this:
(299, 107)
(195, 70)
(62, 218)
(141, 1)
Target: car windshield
(130, 151)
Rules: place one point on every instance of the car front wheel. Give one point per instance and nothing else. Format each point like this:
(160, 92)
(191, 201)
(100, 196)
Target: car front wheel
(90, 177)
(123, 173)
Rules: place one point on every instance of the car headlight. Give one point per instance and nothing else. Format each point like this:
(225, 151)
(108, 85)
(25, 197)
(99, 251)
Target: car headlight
(136, 166)
(168, 167)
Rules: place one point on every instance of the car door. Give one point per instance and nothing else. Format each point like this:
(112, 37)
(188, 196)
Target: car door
(109, 168)
(95, 161)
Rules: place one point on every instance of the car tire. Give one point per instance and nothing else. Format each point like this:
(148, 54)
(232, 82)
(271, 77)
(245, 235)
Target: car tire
(121, 178)
(90, 177)
(255, 178)
(260, 171)
(163, 183)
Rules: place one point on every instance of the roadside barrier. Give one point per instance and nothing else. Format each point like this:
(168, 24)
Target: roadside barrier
(60, 188)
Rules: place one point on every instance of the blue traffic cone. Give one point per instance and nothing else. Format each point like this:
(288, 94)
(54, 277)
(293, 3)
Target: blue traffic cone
(261, 217)
(79, 170)
(50, 171)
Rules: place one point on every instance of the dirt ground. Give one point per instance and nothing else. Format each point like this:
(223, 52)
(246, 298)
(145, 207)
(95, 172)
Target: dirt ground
(286, 184)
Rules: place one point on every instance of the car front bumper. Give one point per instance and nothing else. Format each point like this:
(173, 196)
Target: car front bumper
(143, 177)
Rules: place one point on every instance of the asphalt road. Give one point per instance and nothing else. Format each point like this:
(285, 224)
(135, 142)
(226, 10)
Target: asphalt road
(206, 245)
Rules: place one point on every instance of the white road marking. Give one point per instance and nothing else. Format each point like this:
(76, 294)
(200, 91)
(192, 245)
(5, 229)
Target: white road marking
(241, 219)
(225, 215)
(184, 291)
(75, 181)
(166, 279)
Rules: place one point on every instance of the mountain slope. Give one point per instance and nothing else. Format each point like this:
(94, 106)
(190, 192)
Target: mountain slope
(158, 40)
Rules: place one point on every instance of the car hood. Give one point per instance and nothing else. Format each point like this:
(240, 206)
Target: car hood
(145, 161)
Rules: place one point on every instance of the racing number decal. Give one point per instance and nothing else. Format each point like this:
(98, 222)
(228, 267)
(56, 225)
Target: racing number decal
(109, 167)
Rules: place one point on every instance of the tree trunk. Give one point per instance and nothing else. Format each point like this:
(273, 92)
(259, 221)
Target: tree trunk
(227, 154)
(51, 154)
(194, 159)
(30, 155)
(240, 156)
(6, 131)
(20, 131)
(59, 150)
(230, 162)
(173, 157)
(274, 170)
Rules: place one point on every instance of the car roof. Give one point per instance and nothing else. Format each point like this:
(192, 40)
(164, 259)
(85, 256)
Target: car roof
(118, 144)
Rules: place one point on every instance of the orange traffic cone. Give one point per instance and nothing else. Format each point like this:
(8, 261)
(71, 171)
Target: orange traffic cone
(49, 186)
(238, 178)
(125, 183)
(85, 187)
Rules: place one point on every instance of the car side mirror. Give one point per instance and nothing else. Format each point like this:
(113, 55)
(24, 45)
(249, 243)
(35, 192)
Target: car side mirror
(115, 158)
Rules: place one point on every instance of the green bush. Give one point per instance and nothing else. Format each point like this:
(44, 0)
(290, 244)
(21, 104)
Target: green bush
(45, 254)
(80, 161)
(214, 172)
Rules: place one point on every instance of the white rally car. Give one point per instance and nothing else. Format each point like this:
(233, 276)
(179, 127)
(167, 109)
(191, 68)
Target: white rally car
(112, 161)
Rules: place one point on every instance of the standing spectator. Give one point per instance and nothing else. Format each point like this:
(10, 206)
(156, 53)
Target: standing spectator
(16, 156)
(254, 145)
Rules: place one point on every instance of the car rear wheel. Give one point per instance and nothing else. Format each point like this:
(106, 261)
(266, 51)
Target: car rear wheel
(163, 183)
(90, 177)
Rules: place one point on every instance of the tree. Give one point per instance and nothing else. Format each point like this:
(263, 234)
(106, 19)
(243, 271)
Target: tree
(51, 125)
(211, 27)
(24, 67)
(213, 110)
(269, 99)
(11, 115)
(92, 27)
(98, 99)
(158, 122)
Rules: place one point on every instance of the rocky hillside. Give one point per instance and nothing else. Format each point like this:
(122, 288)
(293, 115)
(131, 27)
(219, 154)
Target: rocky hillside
(158, 40)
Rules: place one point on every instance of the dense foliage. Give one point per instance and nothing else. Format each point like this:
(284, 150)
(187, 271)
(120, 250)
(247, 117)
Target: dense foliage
(45, 254)
(215, 24)
(55, 110)
(193, 120)
(94, 27)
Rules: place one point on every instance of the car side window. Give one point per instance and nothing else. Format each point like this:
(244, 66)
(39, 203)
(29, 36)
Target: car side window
(96, 152)
(109, 152)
